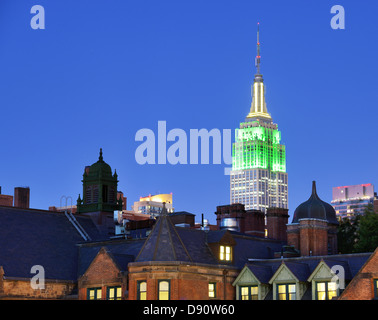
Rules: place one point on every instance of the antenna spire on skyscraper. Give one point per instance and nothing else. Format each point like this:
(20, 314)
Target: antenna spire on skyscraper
(257, 60)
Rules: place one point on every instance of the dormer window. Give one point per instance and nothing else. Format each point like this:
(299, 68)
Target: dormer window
(326, 290)
(286, 291)
(225, 253)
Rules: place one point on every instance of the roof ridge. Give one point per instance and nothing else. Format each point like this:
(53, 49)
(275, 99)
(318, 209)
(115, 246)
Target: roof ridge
(158, 238)
(164, 242)
(145, 242)
(178, 236)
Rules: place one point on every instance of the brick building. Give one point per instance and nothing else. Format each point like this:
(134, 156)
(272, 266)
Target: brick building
(31, 237)
(173, 262)
(313, 230)
(364, 285)
(82, 259)
(308, 278)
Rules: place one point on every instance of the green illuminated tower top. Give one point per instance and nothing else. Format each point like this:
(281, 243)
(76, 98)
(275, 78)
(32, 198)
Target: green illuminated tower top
(257, 141)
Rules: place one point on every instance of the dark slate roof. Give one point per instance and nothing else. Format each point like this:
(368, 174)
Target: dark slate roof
(261, 272)
(163, 243)
(169, 243)
(215, 235)
(315, 208)
(122, 251)
(196, 243)
(300, 270)
(253, 247)
(179, 213)
(36, 237)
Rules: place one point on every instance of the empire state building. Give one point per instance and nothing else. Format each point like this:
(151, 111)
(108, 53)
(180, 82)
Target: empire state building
(258, 178)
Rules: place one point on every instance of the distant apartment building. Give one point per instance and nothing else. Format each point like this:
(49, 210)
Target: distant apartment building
(349, 201)
(153, 204)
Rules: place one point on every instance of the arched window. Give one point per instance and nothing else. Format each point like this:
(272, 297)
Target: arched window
(164, 290)
(142, 290)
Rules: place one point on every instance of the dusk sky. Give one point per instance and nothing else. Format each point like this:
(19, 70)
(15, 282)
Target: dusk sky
(101, 70)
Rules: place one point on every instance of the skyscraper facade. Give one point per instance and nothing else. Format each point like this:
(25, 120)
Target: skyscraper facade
(258, 178)
(349, 201)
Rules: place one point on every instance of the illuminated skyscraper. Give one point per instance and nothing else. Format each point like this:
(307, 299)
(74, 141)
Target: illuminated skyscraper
(258, 178)
(350, 201)
(153, 204)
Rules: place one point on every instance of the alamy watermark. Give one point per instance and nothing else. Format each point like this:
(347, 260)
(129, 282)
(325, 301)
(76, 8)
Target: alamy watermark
(338, 20)
(37, 282)
(338, 278)
(181, 149)
(38, 20)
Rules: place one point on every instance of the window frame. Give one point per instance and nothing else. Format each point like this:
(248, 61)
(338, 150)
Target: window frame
(116, 297)
(223, 253)
(169, 288)
(96, 290)
(287, 292)
(249, 295)
(326, 290)
(213, 291)
(375, 288)
(139, 282)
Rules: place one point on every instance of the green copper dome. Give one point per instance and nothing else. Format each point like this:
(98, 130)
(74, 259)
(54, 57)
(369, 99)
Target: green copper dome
(99, 168)
(99, 189)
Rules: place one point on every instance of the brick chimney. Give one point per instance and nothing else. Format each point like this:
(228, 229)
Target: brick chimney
(22, 197)
(276, 220)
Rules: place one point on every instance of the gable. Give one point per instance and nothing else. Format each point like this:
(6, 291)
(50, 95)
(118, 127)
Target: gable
(245, 277)
(103, 266)
(227, 239)
(283, 274)
(321, 272)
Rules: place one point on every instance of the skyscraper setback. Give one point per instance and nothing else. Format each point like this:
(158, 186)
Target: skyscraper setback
(258, 178)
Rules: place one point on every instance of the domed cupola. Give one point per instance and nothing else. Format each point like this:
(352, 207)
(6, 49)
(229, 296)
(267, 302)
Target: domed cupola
(99, 189)
(98, 169)
(315, 208)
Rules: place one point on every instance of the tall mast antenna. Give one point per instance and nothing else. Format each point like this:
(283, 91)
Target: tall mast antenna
(257, 60)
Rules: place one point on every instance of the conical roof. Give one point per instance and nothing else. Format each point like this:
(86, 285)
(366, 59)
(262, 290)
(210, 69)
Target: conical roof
(163, 243)
(315, 208)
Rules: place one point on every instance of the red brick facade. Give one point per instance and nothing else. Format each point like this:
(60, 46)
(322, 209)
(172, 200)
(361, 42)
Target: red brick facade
(250, 222)
(276, 221)
(312, 237)
(187, 281)
(364, 285)
(102, 273)
(11, 289)
(6, 200)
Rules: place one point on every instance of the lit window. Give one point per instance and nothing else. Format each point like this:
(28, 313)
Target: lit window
(114, 293)
(142, 290)
(212, 290)
(326, 290)
(376, 288)
(94, 294)
(164, 291)
(286, 292)
(225, 253)
(249, 293)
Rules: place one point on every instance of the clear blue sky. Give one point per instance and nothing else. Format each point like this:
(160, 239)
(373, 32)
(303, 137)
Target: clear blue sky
(102, 70)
